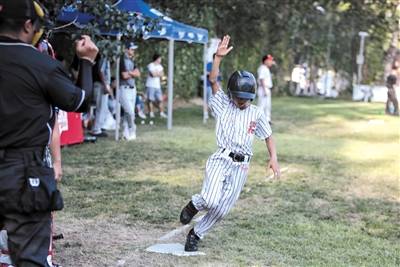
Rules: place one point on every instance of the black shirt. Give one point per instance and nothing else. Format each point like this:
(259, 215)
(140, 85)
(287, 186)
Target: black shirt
(31, 83)
(96, 70)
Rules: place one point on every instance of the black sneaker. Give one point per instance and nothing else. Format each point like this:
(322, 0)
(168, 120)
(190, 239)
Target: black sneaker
(188, 213)
(100, 134)
(89, 139)
(192, 241)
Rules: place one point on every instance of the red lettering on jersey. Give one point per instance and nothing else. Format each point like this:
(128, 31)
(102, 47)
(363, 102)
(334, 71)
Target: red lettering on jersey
(252, 127)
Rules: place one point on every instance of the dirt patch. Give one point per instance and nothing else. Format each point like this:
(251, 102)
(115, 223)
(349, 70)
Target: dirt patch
(318, 203)
(354, 218)
(89, 242)
(364, 189)
(323, 208)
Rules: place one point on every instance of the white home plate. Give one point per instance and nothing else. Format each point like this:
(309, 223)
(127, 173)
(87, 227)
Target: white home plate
(174, 249)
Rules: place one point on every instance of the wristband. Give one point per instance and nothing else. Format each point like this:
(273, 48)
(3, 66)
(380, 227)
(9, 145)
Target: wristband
(89, 59)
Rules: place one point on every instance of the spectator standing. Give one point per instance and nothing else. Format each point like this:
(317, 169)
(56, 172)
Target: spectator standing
(102, 89)
(295, 77)
(153, 86)
(128, 73)
(391, 96)
(265, 85)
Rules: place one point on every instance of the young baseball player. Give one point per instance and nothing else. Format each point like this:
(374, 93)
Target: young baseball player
(237, 122)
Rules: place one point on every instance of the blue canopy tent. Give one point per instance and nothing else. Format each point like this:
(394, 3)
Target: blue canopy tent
(167, 29)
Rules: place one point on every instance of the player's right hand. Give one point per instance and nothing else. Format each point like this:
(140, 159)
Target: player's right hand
(85, 48)
(274, 166)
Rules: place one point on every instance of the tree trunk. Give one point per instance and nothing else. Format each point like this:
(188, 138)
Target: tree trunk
(390, 54)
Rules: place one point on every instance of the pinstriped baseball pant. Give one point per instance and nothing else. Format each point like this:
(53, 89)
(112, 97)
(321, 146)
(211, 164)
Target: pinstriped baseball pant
(223, 182)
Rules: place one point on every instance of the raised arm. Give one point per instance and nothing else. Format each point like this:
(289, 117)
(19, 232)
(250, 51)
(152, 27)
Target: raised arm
(86, 51)
(222, 51)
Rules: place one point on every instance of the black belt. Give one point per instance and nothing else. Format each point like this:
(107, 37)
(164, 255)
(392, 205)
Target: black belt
(129, 87)
(237, 157)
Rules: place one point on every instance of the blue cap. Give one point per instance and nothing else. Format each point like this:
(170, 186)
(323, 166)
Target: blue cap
(130, 45)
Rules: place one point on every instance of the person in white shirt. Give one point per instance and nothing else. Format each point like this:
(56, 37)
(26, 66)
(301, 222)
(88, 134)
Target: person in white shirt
(153, 86)
(265, 85)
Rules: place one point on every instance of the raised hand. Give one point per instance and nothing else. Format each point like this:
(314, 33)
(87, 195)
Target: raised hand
(86, 49)
(223, 48)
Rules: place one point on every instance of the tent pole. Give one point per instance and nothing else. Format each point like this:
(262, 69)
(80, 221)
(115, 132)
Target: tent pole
(117, 95)
(170, 82)
(205, 105)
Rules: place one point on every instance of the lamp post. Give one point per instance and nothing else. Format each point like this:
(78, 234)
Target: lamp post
(360, 56)
(327, 83)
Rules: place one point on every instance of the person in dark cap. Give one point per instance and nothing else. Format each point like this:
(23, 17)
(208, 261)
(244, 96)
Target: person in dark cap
(128, 73)
(31, 84)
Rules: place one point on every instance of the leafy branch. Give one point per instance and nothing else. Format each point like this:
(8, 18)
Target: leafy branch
(105, 24)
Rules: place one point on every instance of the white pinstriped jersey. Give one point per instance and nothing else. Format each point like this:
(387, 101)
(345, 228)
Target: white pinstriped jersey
(235, 128)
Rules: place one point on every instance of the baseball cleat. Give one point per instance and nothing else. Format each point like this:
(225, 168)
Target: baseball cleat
(192, 241)
(188, 213)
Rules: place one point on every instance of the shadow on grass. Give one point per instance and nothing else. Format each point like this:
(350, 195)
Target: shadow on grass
(149, 201)
(377, 217)
(132, 155)
(299, 225)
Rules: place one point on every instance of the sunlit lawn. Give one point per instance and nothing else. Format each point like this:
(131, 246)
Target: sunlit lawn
(337, 203)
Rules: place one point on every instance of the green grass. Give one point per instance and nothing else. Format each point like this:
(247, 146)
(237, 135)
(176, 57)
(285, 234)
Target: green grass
(337, 203)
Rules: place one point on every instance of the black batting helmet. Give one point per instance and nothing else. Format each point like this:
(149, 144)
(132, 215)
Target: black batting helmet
(242, 84)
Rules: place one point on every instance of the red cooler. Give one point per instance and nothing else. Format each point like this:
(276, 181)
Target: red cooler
(70, 128)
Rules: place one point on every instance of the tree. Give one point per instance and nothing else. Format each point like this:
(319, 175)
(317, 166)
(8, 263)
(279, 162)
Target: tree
(106, 23)
(393, 51)
(324, 33)
(292, 30)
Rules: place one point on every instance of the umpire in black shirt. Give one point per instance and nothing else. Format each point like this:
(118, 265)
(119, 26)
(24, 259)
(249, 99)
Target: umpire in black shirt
(31, 84)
